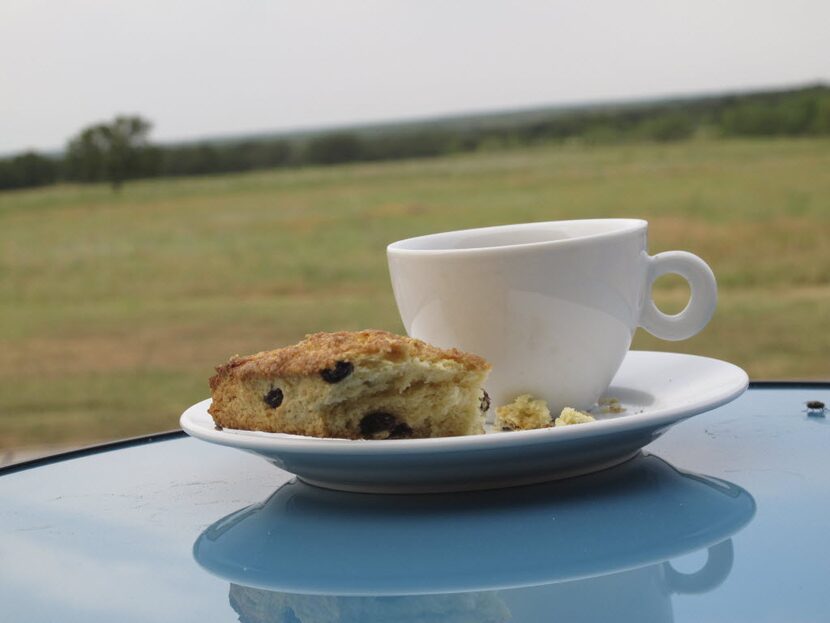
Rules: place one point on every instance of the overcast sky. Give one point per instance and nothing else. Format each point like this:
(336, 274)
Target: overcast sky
(199, 68)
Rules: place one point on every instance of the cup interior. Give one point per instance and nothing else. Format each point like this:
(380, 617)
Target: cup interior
(517, 235)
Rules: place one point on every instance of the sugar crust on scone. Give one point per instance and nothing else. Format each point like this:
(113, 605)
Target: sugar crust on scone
(320, 351)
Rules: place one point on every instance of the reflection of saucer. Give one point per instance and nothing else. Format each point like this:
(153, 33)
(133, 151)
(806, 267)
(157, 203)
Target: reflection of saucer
(657, 391)
(308, 540)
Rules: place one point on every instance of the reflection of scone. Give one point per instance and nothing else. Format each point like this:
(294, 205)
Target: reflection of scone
(260, 606)
(365, 384)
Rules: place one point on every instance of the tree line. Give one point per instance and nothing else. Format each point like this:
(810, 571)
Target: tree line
(120, 150)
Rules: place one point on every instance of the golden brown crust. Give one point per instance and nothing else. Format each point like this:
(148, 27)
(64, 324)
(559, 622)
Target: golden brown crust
(321, 351)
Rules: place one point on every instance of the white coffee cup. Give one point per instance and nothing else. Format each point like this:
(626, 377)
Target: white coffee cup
(553, 306)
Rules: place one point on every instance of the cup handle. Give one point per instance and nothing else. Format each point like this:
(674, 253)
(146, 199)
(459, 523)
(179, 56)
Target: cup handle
(717, 568)
(702, 302)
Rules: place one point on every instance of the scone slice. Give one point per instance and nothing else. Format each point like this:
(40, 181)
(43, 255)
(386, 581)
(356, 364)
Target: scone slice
(353, 385)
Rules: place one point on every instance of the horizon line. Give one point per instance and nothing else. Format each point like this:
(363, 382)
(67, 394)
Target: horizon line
(445, 117)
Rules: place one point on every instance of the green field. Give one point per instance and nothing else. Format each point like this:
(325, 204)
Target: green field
(115, 307)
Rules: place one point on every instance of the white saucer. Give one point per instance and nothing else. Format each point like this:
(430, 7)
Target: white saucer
(657, 390)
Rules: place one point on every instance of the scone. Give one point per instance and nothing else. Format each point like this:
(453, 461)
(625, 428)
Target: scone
(353, 385)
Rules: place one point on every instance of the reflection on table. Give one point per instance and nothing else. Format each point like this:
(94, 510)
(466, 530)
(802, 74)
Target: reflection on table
(593, 548)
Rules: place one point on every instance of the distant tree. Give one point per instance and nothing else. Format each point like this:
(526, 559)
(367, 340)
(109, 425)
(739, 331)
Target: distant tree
(394, 146)
(800, 113)
(113, 152)
(335, 148)
(27, 170)
(665, 128)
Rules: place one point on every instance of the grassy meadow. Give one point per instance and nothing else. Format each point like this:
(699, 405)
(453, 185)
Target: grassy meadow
(114, 308)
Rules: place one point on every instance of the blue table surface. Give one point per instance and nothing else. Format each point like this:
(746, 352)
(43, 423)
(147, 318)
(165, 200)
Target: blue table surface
(724, 518)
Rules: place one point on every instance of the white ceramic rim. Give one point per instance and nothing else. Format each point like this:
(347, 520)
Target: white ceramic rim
(626, 226)
(276, 442)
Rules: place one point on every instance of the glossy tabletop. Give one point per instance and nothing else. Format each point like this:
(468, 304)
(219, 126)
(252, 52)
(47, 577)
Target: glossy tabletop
(724, 518)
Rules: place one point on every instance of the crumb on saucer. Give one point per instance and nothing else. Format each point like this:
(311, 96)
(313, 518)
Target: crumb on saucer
(524, 413)
(571, 416)
(610, 405)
